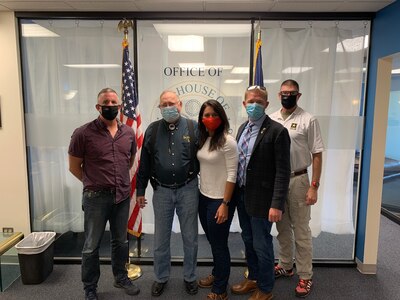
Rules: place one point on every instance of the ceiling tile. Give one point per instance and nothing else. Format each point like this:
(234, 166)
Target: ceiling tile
(36, 5)
(169, 6)
(363, 6)
(197, 5)
(103, 5)
(305, 6)
(251, 6)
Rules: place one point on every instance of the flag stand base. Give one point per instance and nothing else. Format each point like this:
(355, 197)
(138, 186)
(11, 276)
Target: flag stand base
(134, 271)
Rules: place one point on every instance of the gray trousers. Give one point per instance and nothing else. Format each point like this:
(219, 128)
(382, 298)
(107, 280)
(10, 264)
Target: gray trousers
(294, 233)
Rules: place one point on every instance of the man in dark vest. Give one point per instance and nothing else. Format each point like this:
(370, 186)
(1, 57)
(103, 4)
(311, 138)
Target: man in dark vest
(168, 160)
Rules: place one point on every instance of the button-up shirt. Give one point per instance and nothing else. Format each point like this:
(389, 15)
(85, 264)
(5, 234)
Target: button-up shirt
(305, 136)
(171, 154)
(254, 133)
(106, 159)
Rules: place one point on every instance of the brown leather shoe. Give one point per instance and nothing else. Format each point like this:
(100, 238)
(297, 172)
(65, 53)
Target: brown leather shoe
(259, 295)
(246, 286)
(207, 282)
(214, 296)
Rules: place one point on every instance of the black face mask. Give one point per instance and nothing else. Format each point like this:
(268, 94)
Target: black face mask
(109, 112)
(288, 102)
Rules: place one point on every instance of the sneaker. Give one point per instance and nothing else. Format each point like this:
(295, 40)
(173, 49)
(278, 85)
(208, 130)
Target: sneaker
(214, 296)
(303, 288)
(90, 294)
(207, 282)
(279, 271)
(128, 286)
(191, 287)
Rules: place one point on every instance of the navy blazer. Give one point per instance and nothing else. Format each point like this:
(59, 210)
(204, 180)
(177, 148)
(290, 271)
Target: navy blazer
(268, 170)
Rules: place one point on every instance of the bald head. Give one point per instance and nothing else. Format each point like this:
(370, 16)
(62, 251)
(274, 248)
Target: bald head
(170, 98)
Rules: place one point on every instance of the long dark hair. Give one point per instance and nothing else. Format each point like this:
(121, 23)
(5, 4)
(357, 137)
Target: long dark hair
(218, 139)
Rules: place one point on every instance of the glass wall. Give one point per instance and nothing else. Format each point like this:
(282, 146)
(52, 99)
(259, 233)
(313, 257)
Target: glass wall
(391, 178)
(199, 60)
(327, 59)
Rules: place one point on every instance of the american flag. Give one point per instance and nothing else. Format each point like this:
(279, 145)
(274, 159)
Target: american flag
(131, 117)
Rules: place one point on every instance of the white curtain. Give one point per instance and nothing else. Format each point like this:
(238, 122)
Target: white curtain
(326, 58)
(327, 61)
(59, 98)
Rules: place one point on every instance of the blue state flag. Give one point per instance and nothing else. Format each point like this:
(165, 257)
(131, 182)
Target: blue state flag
(258, 71)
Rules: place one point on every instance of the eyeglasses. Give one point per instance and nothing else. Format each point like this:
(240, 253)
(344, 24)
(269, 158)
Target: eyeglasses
(167, 104)
(288, 93)
(256, 87)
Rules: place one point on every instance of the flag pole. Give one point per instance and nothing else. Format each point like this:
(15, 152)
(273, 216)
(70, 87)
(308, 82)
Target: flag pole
(134, 271)
(246, 271)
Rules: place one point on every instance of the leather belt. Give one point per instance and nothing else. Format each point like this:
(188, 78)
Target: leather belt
(174, 186)
(101, 190)
(297, 173)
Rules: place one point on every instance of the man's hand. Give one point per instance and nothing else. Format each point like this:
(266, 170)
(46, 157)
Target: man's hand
(275, 215)
(311, 196)
(142, 201)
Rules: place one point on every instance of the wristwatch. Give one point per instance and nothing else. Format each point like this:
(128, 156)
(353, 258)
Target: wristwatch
(315, 184)
(225, 202)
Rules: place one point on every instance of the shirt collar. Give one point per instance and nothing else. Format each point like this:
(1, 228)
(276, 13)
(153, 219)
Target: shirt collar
(103, 125)
(297, 111)
(258, 122)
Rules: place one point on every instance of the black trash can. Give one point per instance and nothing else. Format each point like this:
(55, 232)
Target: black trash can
(36, 255)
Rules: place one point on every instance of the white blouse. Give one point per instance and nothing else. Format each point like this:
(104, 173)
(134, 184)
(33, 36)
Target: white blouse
(217, 167)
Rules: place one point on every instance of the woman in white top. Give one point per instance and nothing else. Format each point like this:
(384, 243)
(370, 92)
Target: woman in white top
(218, 159)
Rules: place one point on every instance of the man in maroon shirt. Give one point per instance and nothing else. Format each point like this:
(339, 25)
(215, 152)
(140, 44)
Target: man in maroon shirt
(101, 153)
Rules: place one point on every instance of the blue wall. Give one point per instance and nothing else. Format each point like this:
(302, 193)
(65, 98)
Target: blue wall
(385, 40)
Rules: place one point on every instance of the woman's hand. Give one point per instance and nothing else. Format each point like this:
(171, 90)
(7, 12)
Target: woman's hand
(222, 214)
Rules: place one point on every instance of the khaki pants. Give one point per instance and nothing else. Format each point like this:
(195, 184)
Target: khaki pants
(294, 233)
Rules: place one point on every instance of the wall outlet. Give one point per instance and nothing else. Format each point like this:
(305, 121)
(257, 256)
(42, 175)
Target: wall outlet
(8, 230)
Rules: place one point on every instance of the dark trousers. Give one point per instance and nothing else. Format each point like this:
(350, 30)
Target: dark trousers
(99, 207)
(257, 238)
(217, 235)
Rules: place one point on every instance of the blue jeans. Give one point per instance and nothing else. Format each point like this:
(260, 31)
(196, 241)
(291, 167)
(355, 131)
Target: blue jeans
(217, 235)
(257, 238)
(100, 207)
(185, 201)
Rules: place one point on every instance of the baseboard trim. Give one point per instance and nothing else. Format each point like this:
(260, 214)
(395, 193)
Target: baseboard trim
(366, 268)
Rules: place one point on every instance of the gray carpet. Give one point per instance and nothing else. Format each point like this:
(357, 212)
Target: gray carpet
(325, 246)
(329, 283)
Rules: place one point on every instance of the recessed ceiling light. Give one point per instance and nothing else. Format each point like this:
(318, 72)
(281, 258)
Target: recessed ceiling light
(93, 66)
(207, 30)
(225, 67)
(233, 81)
(185, 43)
(296, 70)
(396, 71)
(270, 80)
(192, 65)
(240, 70)
(70, 94)
(35, 30)
(344, 81)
